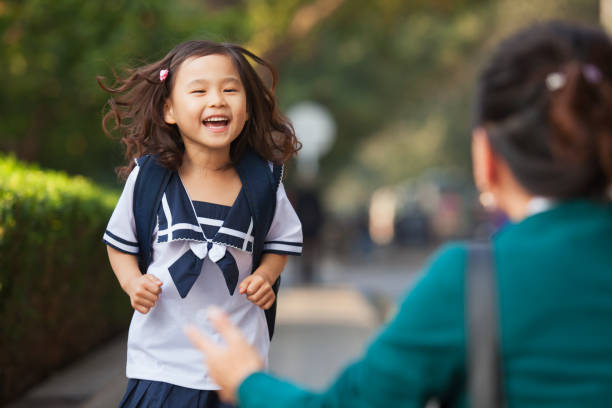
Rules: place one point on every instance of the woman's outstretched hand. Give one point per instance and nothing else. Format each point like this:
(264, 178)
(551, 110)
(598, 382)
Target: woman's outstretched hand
(230, 363)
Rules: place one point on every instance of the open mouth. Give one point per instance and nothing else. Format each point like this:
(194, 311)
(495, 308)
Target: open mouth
(216, 122)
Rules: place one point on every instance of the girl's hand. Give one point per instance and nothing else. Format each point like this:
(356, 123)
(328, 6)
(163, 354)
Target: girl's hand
(258, 290)
(228, 364)
(144, 291)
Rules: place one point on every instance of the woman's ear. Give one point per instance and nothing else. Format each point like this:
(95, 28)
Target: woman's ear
(483, 160)
(169, 113)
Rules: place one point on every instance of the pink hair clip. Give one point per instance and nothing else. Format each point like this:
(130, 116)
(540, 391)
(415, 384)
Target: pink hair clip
(163, 73)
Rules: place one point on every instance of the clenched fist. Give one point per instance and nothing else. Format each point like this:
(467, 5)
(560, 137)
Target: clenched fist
(144, 291)
(258, 290)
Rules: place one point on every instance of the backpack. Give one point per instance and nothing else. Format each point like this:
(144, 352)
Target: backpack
(259, 185)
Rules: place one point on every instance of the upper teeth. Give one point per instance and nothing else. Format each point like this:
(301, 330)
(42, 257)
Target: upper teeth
(216, 119)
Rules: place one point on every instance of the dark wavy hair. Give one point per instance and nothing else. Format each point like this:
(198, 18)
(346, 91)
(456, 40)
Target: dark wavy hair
(137, 100)
(555, 137)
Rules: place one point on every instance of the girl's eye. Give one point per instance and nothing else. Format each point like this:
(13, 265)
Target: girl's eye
(198, 91)
(231, 90)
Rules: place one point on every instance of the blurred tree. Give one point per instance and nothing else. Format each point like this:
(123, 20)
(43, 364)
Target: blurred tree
(397, 75)
(51, 105)
(52, 51)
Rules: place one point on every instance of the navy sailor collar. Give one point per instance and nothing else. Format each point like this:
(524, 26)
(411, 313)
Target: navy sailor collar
(177, 219)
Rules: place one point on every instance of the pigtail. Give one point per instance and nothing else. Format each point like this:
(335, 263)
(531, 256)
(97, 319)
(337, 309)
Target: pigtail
(545, 100)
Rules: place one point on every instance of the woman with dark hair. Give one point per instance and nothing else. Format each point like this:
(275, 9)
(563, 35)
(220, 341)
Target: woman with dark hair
(542, 151)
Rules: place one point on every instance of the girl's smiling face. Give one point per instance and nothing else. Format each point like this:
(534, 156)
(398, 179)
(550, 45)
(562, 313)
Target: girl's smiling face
(207, 102)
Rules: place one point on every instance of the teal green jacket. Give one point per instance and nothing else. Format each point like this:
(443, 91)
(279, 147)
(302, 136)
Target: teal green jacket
(555, 297)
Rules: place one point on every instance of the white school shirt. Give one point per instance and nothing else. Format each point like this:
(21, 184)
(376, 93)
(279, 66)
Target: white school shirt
(157, 346)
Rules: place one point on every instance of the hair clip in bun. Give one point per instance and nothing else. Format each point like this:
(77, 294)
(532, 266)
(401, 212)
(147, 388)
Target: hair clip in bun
(555, 81)
(591, 73)
(163, 73)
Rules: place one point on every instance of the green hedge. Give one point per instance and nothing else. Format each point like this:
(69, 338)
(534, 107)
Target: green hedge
(58, 295)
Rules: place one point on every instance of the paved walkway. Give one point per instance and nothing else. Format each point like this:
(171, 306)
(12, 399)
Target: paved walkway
(319, 330)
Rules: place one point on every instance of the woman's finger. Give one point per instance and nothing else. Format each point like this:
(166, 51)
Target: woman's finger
(224, 326)
(200, 340)
(227, 396)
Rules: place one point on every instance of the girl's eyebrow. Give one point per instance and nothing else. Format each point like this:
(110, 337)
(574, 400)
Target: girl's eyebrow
(197, 82)
(231, 79)
(202, 81)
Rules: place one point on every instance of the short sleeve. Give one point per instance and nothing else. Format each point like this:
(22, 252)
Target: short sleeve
(285, 234)
(121, 229)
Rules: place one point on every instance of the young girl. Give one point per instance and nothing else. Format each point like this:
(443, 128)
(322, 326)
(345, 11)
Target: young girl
(197, 126)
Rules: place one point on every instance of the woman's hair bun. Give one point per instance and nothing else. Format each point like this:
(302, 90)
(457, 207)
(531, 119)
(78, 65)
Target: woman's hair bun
(545, 99)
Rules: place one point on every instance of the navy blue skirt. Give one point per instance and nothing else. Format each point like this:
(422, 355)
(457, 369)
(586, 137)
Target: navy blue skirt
(156, 394)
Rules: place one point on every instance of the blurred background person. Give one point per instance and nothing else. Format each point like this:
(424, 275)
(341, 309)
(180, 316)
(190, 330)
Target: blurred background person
(309, 209)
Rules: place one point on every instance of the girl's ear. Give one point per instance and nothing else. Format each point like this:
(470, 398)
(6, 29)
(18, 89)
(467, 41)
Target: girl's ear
(169, 113)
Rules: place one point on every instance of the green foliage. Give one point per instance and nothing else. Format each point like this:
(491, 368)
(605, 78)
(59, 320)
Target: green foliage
(52, 51)
(58, 296)
(398, 78)
(378, 65)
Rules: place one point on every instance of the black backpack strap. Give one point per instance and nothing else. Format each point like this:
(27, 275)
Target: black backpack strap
(277, 173)
(484, 359)
(148, 189)
(260, 185)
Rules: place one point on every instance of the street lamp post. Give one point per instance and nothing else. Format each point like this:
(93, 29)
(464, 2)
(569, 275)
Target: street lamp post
(316, 129)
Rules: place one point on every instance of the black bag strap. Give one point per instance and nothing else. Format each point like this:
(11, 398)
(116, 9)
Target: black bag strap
(260, 185)
(484, 360)
(148, 189)
(271, 312)
(277, 172)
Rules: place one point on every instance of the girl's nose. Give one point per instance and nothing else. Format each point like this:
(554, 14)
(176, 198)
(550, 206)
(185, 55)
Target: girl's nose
(216, 98)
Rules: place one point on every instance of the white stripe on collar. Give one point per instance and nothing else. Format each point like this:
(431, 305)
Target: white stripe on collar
(228, 231)
(176, 227)
(210, 221)
(248, 234)
(168, 215)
